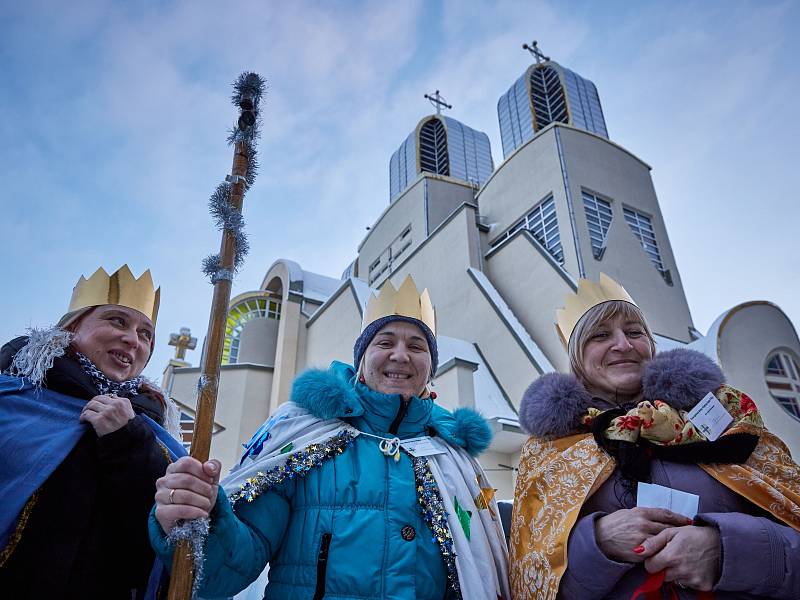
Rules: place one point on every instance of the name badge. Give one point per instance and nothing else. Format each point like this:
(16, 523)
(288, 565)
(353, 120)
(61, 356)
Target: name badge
(651, 495)
(420, 446)
(710, 417)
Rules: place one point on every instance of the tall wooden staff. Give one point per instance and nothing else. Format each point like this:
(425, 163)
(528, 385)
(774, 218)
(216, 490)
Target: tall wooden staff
(226, 208)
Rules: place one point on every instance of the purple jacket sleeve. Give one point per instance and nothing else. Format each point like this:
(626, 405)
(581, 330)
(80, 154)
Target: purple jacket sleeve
(759, 556)
(590, 573)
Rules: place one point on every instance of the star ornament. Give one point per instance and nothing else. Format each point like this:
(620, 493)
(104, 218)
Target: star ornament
(484, 497)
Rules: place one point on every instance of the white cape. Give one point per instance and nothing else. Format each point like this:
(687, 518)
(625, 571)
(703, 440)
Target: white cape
(481, 560)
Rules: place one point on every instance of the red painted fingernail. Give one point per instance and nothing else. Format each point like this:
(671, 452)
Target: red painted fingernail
(639, 549)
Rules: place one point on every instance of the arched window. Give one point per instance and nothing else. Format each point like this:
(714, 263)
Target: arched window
(264, 305)
(433, 156)
(548, 98)
(783, 380)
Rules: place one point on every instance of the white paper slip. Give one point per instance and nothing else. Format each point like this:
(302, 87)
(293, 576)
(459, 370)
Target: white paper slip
(420, 446)
(651, 495)
(710, 417)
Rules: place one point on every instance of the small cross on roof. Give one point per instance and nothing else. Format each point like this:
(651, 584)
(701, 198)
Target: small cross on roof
(438, 102)
(182, 341)
(535, 52)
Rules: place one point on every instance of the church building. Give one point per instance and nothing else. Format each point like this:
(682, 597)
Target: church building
(498, 247)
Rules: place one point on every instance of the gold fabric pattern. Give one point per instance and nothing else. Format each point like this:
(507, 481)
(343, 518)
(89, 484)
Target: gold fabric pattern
(557, 476)
(555, 479)
(21, 522)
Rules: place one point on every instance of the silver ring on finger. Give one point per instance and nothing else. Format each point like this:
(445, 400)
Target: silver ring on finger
(172, 501)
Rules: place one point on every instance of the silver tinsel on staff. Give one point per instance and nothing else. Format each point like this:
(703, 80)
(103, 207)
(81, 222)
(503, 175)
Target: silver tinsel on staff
(225, 208)
(247, 92)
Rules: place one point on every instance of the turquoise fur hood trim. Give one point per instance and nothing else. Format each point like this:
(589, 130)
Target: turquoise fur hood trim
(335, 394)
(328, 394)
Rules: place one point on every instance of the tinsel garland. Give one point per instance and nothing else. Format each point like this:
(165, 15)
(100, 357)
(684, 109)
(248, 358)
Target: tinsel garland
(226, 218)
(298, 464)
(435, 515)
(37, 356)
(194, 531)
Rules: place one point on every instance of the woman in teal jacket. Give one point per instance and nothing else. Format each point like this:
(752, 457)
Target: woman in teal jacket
(332, 493)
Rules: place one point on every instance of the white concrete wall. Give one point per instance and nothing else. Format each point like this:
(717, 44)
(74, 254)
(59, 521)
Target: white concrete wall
(462, 311)
(746, 339)
(626, 261)
(445, 195)
(523, 180)
(407, 209)
(606, 169)
(242, 405)
(533, 290)
(333, 331)
(258, 341)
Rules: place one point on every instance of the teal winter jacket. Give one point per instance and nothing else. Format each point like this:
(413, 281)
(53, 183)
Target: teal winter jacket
(352, 528)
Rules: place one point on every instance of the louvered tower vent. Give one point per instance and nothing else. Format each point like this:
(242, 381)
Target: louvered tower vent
(547, 93)
(442, 146)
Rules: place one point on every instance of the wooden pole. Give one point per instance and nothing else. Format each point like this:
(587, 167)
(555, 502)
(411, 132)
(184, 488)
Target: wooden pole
(180, 587)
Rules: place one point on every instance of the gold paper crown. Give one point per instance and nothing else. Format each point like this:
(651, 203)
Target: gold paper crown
(405, 301)
(589, 295)
(120, 288)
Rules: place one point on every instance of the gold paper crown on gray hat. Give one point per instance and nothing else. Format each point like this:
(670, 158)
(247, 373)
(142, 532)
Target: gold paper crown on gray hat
(120, 288)
(404, 301)
(589, 295)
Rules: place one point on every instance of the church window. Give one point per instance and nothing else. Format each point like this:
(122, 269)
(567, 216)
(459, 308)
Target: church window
(187, 427)
(642, 227)
(543, 225)
(385, 262)
(547, 97)
(265, 306)
(598, 220)
(379, 267)
(401, 243)
(782, 375)
(433, 156)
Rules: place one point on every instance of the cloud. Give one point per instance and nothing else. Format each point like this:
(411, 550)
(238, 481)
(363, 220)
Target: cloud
(118, 116)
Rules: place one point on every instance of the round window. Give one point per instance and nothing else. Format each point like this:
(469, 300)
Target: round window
(783, 380)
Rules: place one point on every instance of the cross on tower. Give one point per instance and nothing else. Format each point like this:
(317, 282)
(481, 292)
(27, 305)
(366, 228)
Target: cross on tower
(438, 102)
(535, 52)
(182, 341)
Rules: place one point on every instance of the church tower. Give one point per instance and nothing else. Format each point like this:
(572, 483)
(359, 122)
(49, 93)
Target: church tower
(547, 93)
(587, 204)
(440, 145)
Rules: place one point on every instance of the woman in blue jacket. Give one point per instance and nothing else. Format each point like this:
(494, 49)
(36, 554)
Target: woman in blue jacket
(359, 487)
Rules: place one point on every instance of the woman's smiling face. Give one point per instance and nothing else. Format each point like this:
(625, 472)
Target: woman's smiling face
(116, 339)
(614, 357)
(398, 360)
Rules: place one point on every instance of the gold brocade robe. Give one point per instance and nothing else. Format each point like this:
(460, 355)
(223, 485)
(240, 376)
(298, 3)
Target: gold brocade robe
(557, 476)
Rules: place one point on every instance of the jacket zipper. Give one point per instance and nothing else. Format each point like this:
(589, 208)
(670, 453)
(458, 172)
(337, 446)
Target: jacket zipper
(401, 414)
(322, 565)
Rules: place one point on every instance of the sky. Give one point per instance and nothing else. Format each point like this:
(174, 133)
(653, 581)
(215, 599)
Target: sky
(114, 118)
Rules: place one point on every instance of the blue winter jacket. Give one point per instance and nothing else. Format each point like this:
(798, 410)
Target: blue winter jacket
(352, 527)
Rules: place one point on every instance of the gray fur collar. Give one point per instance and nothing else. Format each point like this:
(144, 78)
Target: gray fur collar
(33, 360)
(554, 404)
